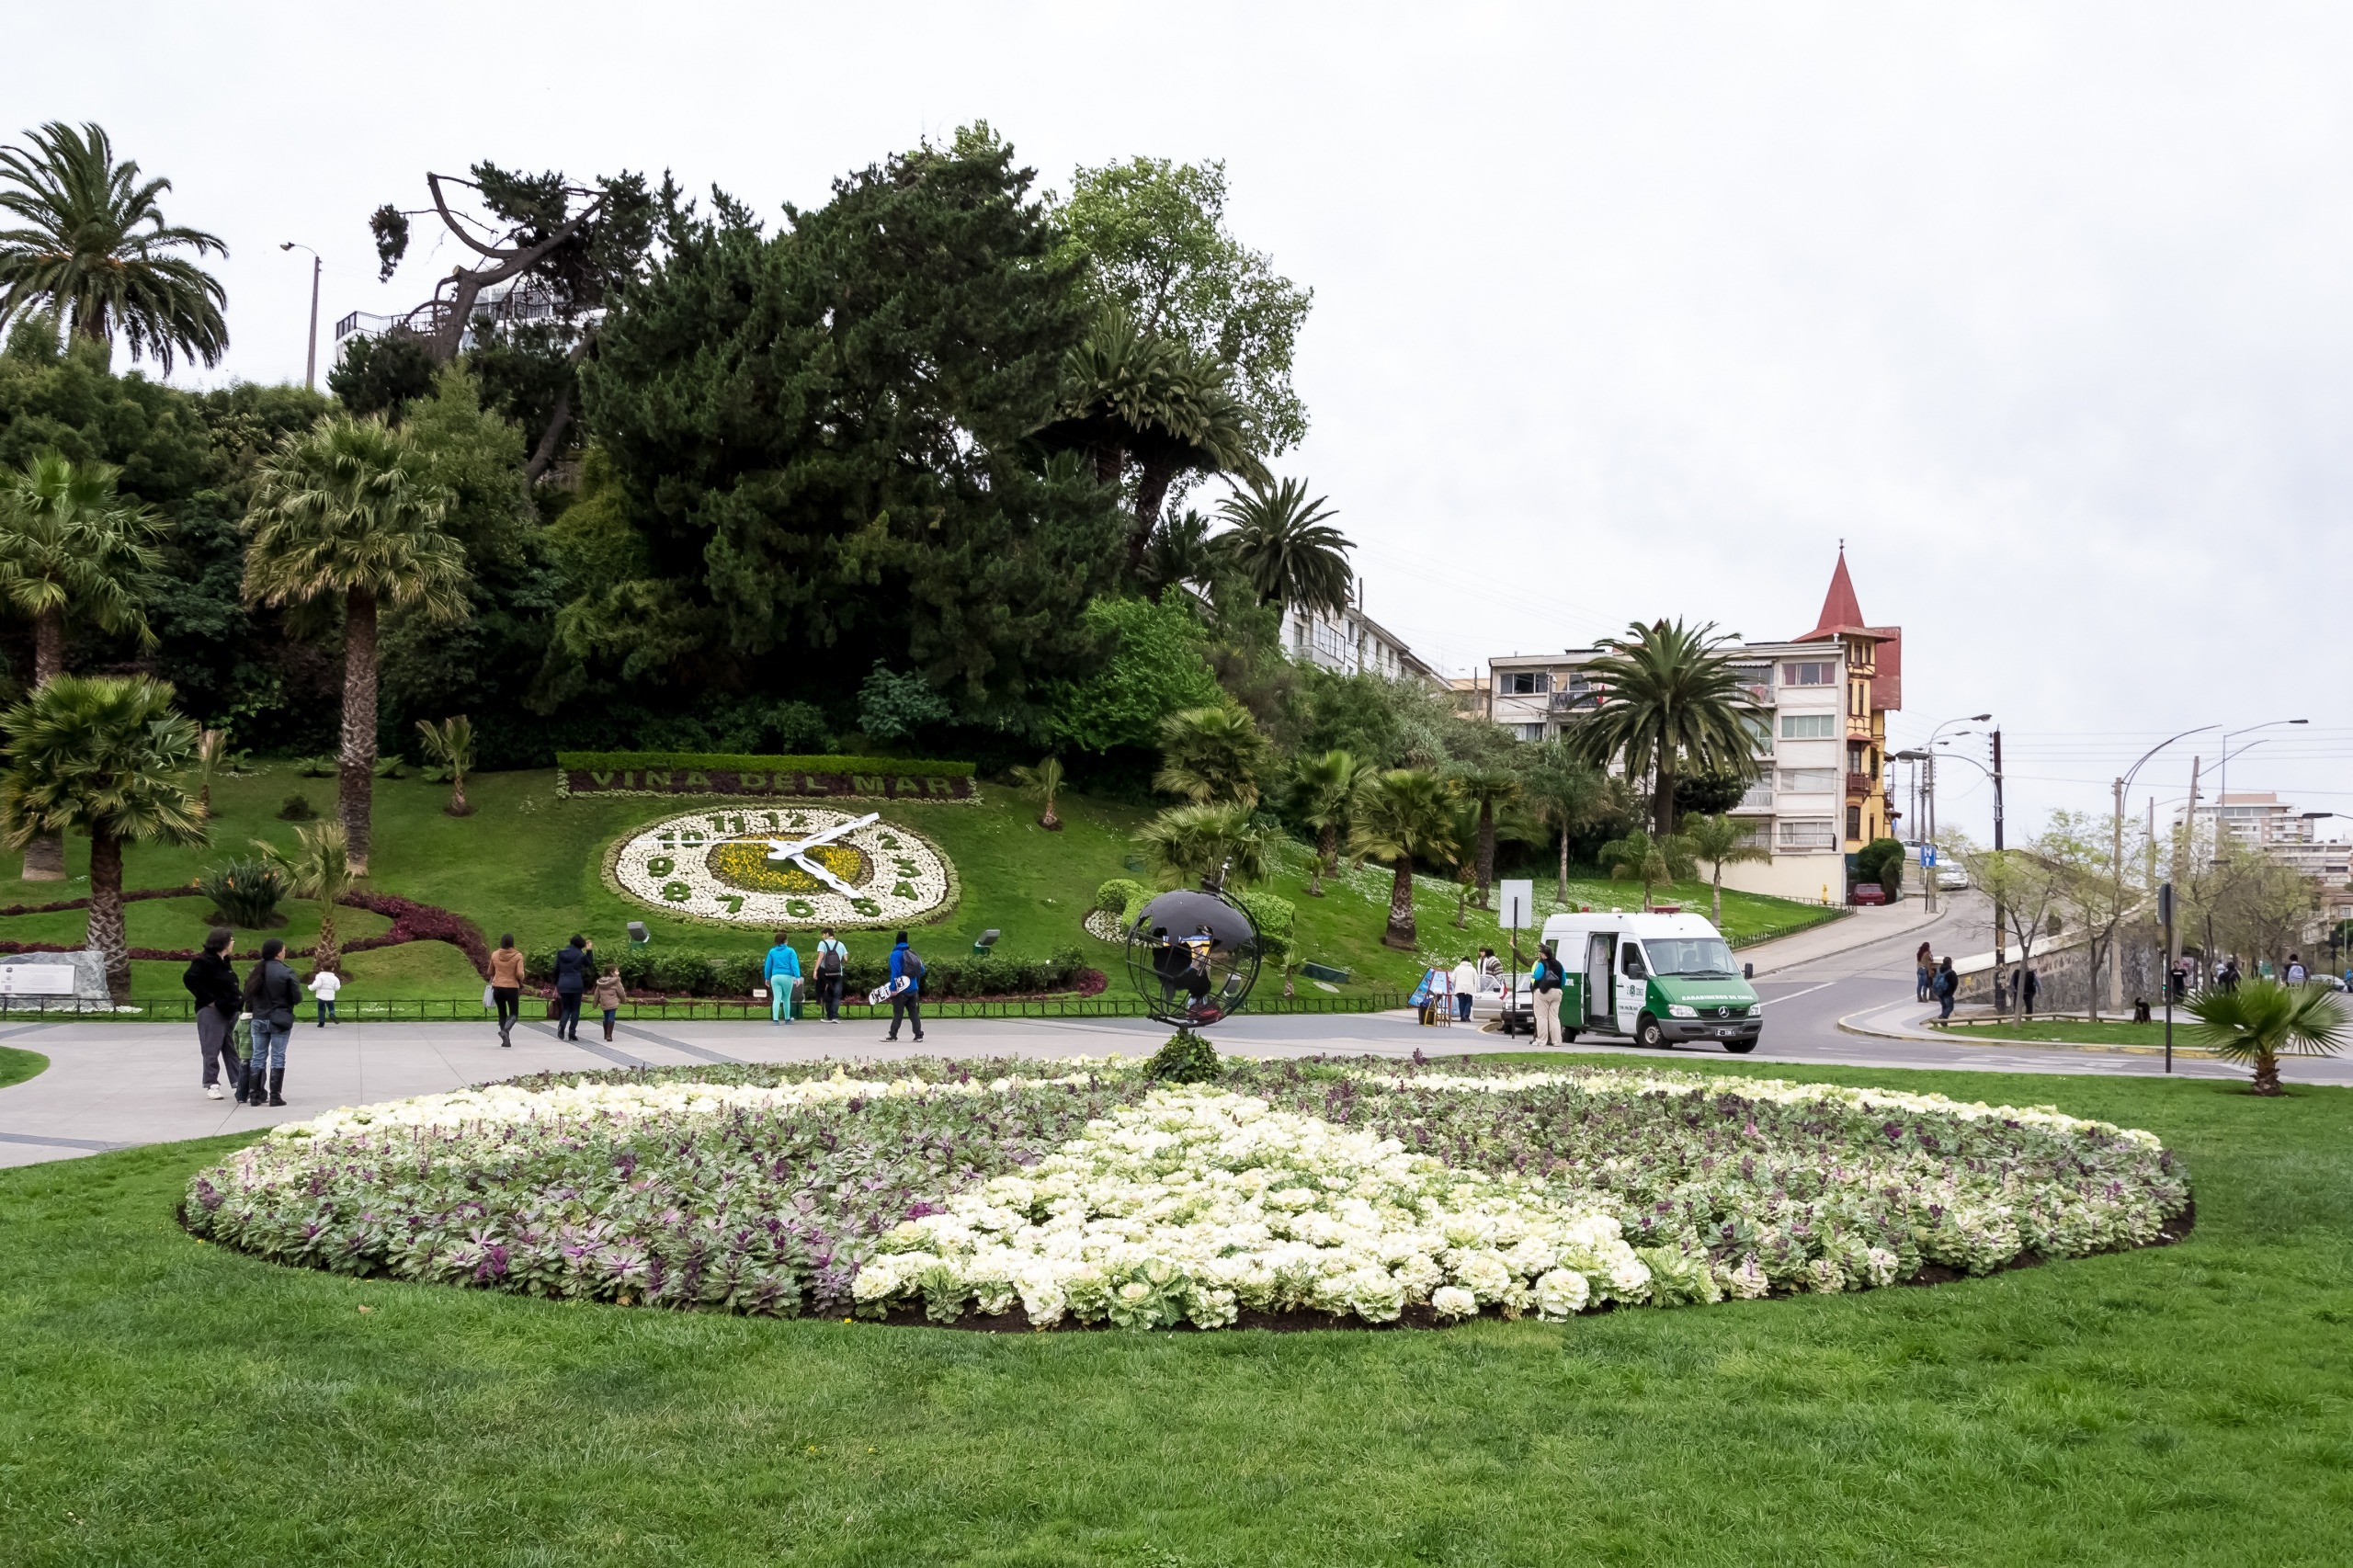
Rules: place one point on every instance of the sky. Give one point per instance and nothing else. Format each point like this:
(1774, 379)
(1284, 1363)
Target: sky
(1621, 311)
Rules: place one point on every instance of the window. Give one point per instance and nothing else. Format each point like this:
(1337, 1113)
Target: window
(1529, 731)
(1759, 797)
(1810, 780)
(1527, 683)
(1809, 726)
(1809, 674)
(1854, 759)
(1693, 958)
(1634, 965)
(1853, 822)
(1812, 833)
(1760, 731)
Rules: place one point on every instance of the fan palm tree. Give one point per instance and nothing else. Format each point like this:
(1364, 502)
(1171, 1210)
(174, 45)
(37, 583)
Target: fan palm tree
(1211, 755)
(1321, 789)
(1640, 857)
(450, 746)
(1401, 814)
(103, 757)
(1284, 546)
(1718, 841)
(1669, 698)
(2264, 1020)
(1567, 797)
(1207, 845)
(69, 545)
(349, 510)
(1042, 784)
(319, 868)
(93, 250)
(1488, 789)
(1179, 555)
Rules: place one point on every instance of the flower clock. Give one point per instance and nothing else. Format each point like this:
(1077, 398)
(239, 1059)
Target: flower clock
(798, 864)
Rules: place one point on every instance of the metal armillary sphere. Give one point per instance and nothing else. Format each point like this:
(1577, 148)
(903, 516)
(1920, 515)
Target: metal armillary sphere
(1193, 958)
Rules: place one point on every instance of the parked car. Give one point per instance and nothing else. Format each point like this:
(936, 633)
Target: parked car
(1866, 893)
(1951, 879)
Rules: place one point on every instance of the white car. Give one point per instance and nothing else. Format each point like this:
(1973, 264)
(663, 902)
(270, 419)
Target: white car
(1951, 879)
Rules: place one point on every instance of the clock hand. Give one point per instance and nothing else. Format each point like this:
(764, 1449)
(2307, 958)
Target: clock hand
(823, 875)
(779, 850)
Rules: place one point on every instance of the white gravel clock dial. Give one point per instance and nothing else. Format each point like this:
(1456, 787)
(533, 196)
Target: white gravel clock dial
(784, 865)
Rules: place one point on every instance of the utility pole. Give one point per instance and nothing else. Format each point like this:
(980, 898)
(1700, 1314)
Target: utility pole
(311, 363)
(2116, 909)
(2001, 945)
(2186, 851)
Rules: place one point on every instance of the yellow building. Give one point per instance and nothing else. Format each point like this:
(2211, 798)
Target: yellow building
(1874, 660)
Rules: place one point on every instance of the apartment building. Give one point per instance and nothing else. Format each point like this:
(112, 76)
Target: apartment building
(1823, 789)
(1352, 643)
(2265, 822)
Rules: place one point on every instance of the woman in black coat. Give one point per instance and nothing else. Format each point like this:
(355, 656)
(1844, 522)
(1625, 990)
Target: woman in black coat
(211, 979)
(271, 995)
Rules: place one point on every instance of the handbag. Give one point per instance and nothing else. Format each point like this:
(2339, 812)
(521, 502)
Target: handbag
(488, 997)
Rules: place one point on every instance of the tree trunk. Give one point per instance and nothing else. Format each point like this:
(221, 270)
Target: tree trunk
(552, 439)
(1663, 801)
(1718, 893)
(1400, 907)
(1327, 844)
(45, 856)
(1050, 821)
(459, 805)
(1561, 894)
(1152, 488)
(1486, 849)
(106, 911)
(357, 769)
(2266, 1074)
(328, 954)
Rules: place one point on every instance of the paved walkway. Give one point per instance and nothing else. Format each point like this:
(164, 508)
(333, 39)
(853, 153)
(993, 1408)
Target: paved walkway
(1861, 928)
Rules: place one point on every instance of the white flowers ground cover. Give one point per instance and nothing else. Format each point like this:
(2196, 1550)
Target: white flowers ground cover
(1080, 1192)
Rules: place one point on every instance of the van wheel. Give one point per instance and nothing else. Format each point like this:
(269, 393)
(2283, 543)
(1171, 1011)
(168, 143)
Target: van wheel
(1647, 1033)
(1740, 1047)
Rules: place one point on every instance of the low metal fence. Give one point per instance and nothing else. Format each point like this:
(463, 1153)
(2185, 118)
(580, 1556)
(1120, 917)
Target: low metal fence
(469, 1009)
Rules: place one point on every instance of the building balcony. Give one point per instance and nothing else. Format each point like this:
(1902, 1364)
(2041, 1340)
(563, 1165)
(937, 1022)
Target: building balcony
(1859, 784)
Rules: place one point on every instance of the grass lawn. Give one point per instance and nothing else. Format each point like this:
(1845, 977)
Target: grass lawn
(530, 863)
(16, 1067)
(2079, 1031)
(165, 1401)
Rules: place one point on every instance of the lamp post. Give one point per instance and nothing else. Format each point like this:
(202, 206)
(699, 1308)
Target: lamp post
(2222, 787)
(1928, 751)
(2115, 904)
(311, 363)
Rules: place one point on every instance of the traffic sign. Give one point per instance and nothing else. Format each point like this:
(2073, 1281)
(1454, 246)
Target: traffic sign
(1927, 857)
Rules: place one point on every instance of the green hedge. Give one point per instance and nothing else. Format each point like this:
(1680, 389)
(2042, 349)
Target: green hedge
(720, 762)
(682, 971)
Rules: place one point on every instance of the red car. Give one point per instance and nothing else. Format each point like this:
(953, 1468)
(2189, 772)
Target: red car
(1866, 893)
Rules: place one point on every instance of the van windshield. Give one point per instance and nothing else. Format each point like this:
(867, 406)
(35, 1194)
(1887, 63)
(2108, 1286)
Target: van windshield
(1694, 957)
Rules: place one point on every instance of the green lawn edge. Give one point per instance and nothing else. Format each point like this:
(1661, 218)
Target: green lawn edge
(16, 1065)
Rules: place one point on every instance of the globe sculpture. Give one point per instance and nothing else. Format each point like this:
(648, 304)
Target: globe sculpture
(1193, 958)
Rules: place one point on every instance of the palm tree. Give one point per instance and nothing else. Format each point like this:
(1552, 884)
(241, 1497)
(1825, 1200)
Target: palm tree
(1669, 697)
(1211, 755)
(1321, 789)
(2264, 1020)
(1042, 784)
(105, 756)
(1462, 859)
(69, 545)
(95, 250)
(211, 753)
(319, 869)
(1718, 841)
(349, 510)
(449, 746)
(1178, 555)
(1568, 797)
(1487, 790)
(1209, 845)
(1284, 548)
(1401, 814)
(1640, 857)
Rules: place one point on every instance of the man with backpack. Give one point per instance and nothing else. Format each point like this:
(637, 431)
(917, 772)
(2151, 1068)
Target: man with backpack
(906, 990)
(833, 962)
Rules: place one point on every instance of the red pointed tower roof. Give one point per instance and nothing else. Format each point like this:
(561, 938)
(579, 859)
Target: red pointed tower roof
(1842, 614)
(1840, 610)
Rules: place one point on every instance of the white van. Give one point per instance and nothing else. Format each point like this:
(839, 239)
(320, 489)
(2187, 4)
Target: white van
(1651, 979)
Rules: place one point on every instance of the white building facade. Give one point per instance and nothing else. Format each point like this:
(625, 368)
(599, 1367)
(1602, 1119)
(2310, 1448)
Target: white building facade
(1352, 643)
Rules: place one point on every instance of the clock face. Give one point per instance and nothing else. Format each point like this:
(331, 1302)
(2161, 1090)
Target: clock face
(775, 865)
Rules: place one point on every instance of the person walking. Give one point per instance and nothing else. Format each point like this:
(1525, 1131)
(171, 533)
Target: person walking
(211, 979)
(271, 995)
(611, 996)
(1466, 983)
(781, 971)
(325, 983)
(2029, 987)
(2297, 973)
(906, 999)
(1545, 980)
(576, 966)
(2229, 979)
(1924, 963)
(833, 968)
(506, 986)
(1946, 985)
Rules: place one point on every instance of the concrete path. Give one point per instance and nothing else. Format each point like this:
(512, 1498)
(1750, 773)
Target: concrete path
(1860, 929)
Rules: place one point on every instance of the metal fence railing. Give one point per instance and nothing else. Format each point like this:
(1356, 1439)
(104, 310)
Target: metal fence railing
(469, 1009)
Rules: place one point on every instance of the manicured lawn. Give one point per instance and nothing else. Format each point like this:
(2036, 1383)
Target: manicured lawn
(16, 1067)
(532, 864)
(165, 1401)
(2080, 1031)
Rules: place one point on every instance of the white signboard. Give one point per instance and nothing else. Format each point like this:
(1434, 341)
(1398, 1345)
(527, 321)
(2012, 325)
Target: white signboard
(36, 980)
(1520, 905)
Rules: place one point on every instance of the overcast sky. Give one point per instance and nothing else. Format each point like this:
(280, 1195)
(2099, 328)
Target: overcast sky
(1620, 312)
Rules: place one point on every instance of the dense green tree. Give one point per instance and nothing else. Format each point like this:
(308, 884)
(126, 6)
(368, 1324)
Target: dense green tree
(821, 440)
(1283, 545)
(1179, 556)
(104, 757)
(62, 399)
(1708, 793)
(92, 249)
(1671, 703)
(349, 513)
(382, 372)
(1212, 755)
(1401, 815)
(1151, 666)
(1153, 238)
(1641, 857)
(1486, 790)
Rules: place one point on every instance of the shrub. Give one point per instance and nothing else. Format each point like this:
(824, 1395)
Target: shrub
(1123, 898)
(298, 808)
(244, 894)
(1185, 1059)
(678, 971)
(1273, 918)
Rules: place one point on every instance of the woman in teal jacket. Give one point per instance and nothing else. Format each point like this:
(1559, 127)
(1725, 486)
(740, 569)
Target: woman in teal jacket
(781, 969)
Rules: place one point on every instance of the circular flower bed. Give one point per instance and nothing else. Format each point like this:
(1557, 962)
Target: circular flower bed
(804, 865)
(1081, 1193)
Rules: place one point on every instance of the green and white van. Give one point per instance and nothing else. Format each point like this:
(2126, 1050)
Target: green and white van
(1651, 979)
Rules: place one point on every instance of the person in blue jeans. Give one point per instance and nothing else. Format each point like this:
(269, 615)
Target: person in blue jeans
(576, 969)
(906, 1001)
(781, 969)
(271, 995)
(1946, 985)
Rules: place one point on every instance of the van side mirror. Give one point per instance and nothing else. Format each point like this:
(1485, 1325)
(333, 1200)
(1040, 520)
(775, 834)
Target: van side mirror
(1748, 972)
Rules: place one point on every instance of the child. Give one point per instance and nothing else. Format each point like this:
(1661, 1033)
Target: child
(609, 995)
(324, 985)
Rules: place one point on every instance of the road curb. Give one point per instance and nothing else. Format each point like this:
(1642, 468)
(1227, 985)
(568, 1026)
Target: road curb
(1849, 1024)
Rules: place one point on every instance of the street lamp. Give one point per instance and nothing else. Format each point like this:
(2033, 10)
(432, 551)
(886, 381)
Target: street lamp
(2222, 787)
(2116, 970)
(311, 364)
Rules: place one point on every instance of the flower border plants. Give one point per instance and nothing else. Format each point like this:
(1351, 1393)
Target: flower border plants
(633, 855)
(931, 917)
